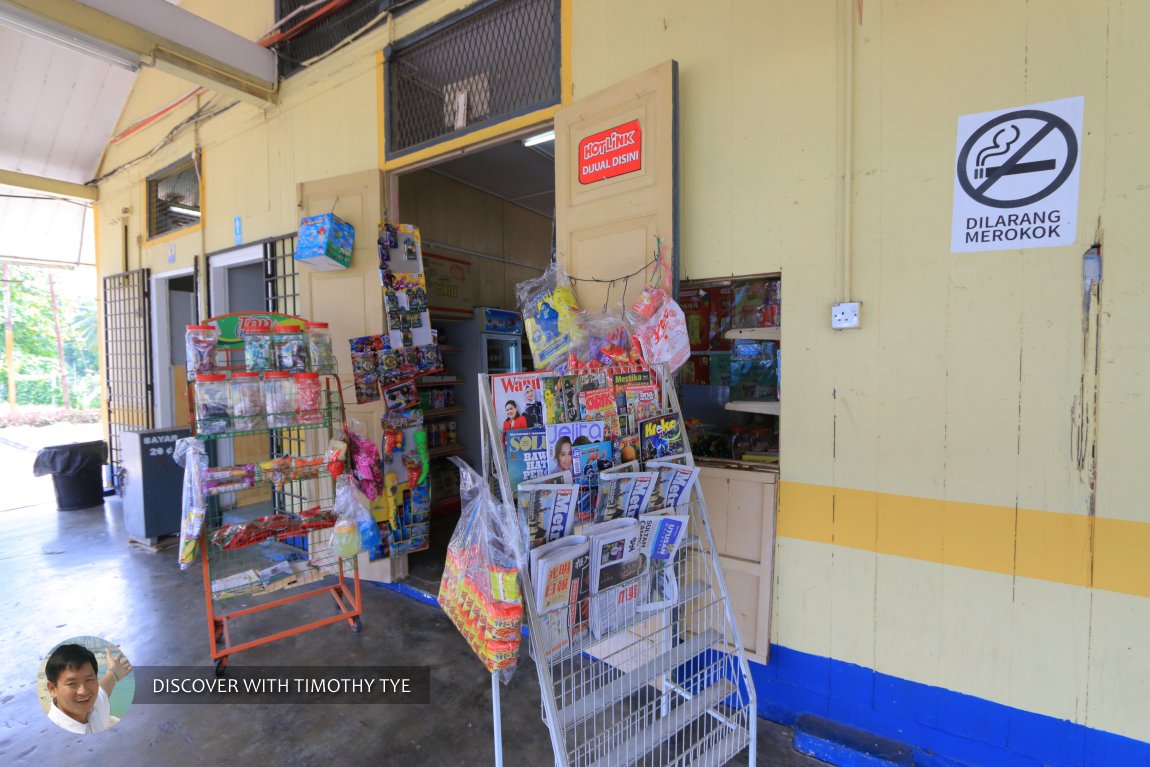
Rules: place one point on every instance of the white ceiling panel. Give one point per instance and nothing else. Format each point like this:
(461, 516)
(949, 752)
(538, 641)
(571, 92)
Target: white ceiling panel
(44, 230)
(57, 107)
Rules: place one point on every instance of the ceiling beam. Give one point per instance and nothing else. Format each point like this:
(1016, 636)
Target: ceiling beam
(48, 185)
(153, 33)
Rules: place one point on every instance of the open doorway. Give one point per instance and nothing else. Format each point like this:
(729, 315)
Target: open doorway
(486, 219)
(173, 308)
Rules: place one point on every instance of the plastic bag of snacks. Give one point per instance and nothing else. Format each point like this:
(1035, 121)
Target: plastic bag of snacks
(480, 587)
(365, 460)
(190, 454)
(657, 321)
(551, 316)
(609, 341)
(345, 536)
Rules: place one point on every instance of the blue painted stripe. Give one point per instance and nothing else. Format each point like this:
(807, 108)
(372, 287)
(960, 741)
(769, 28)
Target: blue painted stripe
(943, 727)
(409, 591)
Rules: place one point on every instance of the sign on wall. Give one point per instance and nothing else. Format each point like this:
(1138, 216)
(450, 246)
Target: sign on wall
(610, 153)
(1016, 177)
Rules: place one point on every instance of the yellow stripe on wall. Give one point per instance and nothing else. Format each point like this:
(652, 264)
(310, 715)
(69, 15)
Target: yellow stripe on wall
(1074, 549)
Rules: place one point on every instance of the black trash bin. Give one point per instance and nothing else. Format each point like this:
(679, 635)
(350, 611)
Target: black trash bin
(76, 471)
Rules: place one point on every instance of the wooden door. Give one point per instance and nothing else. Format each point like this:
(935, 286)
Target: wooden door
(616, 179)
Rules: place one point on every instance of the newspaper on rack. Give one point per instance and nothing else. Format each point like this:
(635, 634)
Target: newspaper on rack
(660, 536)
(548, 505)
(624, 491)
(615, 555)
(553, 571)
(673, 487)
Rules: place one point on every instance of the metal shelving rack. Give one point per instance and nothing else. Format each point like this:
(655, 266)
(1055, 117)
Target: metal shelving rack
(244, 581)
(666, 687)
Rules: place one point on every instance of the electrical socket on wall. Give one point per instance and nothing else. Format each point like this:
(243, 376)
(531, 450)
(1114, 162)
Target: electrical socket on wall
(845, 315)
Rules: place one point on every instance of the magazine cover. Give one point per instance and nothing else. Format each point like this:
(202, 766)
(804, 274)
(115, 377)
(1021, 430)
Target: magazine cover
(587, 461)
(629, 448)
(561, 436)
(642, 401)
(661, 436)
(622, 382)
(526, 454)
(518, 400)
(548, 508)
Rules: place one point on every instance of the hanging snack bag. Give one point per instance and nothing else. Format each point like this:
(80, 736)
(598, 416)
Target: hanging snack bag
(480, 587)
(189, 453)
(551, 316)
(345, 535)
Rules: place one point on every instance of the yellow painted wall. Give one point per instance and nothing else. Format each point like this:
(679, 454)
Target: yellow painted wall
(937, 481)
(935, 519)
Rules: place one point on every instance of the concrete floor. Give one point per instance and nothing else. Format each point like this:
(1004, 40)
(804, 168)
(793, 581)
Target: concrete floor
(64, 574)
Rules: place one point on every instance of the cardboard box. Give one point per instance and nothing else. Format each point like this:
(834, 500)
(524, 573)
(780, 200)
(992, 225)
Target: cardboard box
(324, 242)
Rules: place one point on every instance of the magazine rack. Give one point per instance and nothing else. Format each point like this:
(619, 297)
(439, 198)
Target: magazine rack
(669, 686)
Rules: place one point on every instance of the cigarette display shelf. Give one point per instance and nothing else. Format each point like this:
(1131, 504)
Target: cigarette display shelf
(425, 382)
(441, 412)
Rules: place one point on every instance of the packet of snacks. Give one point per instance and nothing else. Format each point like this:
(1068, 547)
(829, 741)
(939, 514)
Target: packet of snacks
(480, 586)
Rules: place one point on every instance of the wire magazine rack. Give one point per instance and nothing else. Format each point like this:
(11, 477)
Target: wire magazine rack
(651, 687)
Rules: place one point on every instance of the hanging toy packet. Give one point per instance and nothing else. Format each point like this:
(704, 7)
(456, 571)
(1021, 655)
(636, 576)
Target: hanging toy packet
(551, 316)
(659, 323)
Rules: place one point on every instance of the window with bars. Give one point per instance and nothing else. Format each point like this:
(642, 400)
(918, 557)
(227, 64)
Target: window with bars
(494, 61)
(313, 31)
(173, 197)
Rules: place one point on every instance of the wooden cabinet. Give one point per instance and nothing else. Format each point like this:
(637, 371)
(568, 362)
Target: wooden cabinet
(742, 506)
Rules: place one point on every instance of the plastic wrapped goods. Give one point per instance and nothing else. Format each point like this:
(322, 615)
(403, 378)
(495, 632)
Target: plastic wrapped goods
(247, 395)
(213, 403)
(189, 453)
(308, 398)
(320, 354)
(258, 350)
(480, 590)
(200, 345)
(279, 398)
(290, 348)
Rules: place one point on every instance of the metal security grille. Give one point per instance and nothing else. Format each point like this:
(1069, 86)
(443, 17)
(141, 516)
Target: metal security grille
(128, 358)
(174, 198)
(281, 292)
(281, 289)
(500, 61)
(353, 18)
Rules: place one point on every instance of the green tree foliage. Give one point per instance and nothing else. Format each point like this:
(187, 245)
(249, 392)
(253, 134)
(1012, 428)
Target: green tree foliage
(37, 366)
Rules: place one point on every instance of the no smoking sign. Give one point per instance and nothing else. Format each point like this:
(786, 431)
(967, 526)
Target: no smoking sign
(1016, 177)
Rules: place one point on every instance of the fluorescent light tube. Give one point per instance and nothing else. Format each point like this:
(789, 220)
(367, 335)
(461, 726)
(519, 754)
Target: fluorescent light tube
(540, 138)
(33, 25)
(184, 211)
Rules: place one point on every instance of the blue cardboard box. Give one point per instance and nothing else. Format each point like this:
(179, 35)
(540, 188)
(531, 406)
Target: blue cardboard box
(324, 242)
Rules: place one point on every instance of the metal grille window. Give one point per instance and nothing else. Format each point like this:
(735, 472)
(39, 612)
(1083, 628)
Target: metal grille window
(500, 60)
(306, 38)
(174, 198)
(128, 358)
